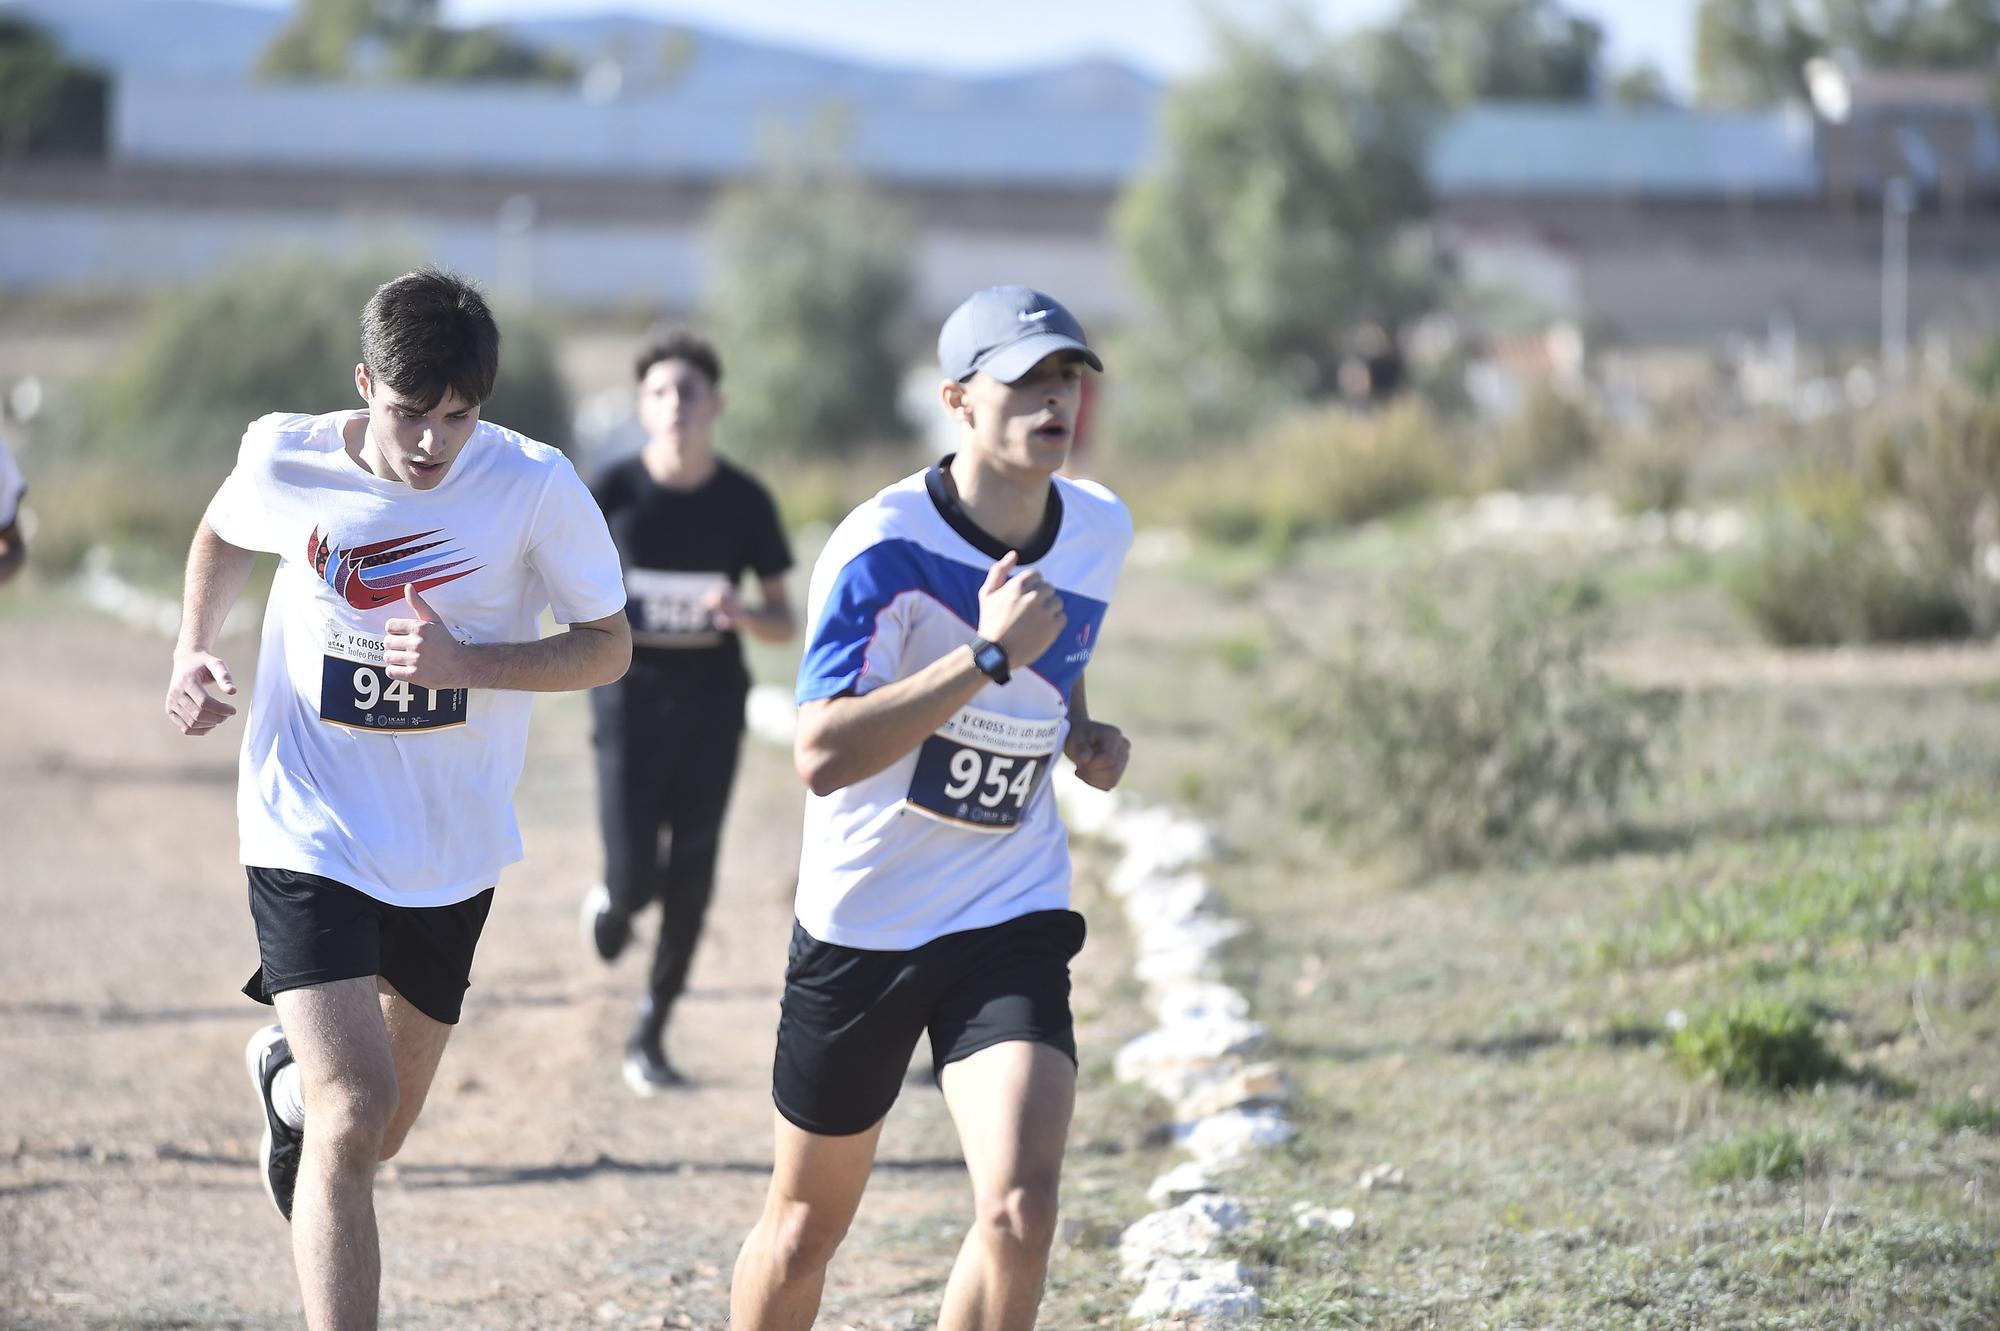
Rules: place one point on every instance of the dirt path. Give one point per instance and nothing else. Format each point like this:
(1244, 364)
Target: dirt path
(536, 1192)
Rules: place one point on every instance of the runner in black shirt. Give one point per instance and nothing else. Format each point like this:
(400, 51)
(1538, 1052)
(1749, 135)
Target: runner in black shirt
(688, 527)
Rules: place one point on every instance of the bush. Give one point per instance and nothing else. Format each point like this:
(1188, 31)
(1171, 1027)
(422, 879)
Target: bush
(1476, 734)
(1553, 435)
(1774, 1154)
(158, 430)
(1650, 473)
(1311, 473)
(1829, 568)
(1945, 469)
(1758, 1043)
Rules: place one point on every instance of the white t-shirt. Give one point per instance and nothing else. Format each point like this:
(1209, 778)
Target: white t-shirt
(402, 792)
(963, 832)
(12, 487)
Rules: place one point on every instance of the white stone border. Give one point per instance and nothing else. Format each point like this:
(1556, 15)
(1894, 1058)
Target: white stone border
(1202, 1059)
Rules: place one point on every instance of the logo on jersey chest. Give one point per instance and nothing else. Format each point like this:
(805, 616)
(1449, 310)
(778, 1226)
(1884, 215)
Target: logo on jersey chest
(370, 576)
(1083, 645)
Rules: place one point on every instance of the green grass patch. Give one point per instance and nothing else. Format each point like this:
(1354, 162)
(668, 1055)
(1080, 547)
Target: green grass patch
(1823, 890)
(1758, 1043)
(1967, 1115)
(1773, 1154)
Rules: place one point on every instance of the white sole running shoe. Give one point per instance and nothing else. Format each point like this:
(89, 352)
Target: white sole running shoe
(649, 1073)
(605, 931)
(278, 1154)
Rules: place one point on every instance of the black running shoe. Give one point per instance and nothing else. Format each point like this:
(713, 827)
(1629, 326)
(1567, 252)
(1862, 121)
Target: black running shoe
(606, 929)
(264, 1056)
(647, 1071)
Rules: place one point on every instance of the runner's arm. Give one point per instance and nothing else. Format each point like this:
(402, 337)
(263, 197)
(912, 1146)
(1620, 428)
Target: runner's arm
(585, 655)
(770, 622)
(1098, 748)
(850, 738)
(216, 572)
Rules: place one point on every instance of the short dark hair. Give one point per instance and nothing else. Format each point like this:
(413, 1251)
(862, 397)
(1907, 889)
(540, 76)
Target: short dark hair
(429, 333)
(679, 344)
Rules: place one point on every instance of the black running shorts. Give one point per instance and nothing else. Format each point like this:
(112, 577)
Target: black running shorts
(851, 1018)
(313, 930)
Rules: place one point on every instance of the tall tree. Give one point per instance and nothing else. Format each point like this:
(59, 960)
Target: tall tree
(48, 103)
(325, 37)
(1753, 52)
(1278, 218)
(1504, 50)
(811, 304)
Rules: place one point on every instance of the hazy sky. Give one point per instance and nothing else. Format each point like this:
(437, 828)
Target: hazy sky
(1165, 36)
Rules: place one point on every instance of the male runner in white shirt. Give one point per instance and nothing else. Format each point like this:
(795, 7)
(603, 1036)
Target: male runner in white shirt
(952, 618)
(418, 547)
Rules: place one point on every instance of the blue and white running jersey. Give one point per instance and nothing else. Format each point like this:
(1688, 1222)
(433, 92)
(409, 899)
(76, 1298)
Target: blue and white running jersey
(962, 833)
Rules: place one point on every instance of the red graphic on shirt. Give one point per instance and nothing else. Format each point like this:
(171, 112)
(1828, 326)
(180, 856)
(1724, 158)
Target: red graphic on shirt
(370, 576)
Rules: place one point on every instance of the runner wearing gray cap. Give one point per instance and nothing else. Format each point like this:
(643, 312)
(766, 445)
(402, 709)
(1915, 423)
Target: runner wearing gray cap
(952, 618)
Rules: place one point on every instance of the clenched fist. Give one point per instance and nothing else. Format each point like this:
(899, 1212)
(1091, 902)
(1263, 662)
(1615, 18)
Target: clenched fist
(1023, 614)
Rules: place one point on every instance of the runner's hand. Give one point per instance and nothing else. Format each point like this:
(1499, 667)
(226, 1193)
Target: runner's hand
(190, 706)
(724, 607)
(1100, 752)
(422, 650)
(1023, 614)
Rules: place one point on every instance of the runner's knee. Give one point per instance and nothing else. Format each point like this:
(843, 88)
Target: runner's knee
(1020, 1218)
(352, 1118)
(803, 1239)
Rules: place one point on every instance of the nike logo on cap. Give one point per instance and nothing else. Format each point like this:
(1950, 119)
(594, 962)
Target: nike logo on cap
(1031, 316)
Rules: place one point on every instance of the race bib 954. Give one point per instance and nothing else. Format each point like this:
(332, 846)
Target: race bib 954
(981, 769)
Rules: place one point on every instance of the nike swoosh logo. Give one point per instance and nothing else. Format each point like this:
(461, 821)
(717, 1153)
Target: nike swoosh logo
(364, 597)
(1032, 316)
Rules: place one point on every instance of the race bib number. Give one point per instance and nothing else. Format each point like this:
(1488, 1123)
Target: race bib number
(980, 770)
(670, 605)
(356, 691)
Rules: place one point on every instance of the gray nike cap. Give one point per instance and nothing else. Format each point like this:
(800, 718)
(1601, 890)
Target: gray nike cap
(1004, 331)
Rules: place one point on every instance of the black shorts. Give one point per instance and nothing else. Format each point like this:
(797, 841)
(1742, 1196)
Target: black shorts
(313, 930)
(851, 1017)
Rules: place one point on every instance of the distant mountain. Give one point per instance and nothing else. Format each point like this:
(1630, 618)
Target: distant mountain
(215, 39)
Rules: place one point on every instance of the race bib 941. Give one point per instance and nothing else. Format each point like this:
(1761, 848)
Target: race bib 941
(980, 770)
(355, 691)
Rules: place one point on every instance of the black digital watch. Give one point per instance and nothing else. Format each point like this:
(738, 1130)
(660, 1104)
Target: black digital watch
(991, 658)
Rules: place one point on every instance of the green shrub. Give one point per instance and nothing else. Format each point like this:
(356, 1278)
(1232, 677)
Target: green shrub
(1552, 435)
(1758, 1043)
(1475, 732)
(158, 430)
(1828, 568)
(1650, 472)
(279, 334)
(1311, 473)
(1967, 1115)
(1944, 466)
(1775, 1154)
